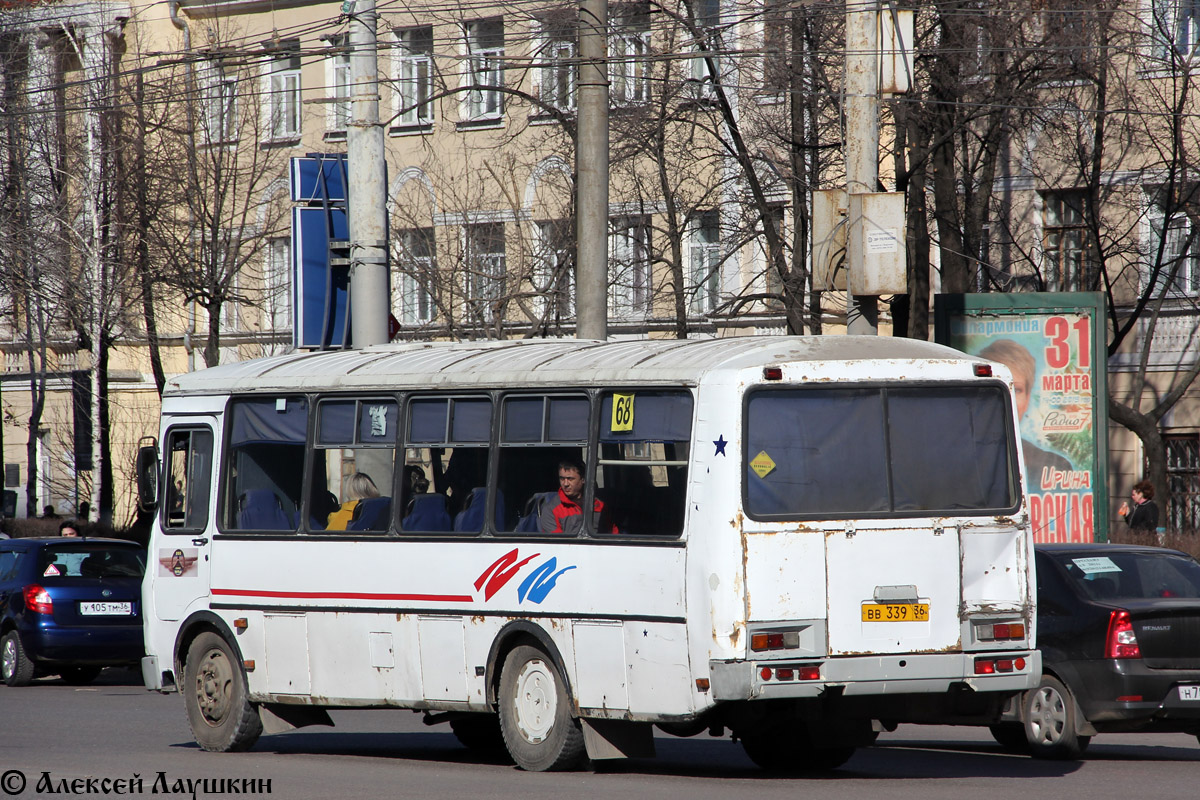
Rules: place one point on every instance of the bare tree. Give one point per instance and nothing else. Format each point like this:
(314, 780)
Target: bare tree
(209, 226)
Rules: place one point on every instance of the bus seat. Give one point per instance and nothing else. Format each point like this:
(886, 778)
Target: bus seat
(262, 510)
(471, 518)
(371, 514)
(528, 523)
(427, 512)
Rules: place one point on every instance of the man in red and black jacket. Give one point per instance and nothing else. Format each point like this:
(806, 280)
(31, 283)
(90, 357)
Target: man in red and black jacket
(564, 514)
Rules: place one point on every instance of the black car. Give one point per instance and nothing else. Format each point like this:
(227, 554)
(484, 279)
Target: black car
(1119, 631)
(69, 606)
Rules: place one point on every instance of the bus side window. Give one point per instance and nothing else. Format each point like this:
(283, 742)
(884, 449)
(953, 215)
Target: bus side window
(444, 487)
(537, 433)
(642, 468)
(189, 478)
(350, 486)
(264, 466)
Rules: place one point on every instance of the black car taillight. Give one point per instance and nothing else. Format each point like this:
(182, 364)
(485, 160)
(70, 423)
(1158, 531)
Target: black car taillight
(1121, 641)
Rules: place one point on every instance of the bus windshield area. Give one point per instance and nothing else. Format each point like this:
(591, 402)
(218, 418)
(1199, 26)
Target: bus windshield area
(878, 451)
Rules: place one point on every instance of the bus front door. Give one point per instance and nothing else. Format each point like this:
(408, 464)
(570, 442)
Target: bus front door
(179, 566)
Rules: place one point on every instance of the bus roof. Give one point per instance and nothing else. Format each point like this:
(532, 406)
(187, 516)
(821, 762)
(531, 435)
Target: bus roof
(538, 362)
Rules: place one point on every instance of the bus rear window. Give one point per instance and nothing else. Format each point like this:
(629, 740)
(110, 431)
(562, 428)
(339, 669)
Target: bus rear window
(851, 452)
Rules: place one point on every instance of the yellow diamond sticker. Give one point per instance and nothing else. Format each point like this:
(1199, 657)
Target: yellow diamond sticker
(762, 464)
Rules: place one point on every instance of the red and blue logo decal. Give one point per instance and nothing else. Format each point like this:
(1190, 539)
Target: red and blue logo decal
(536, 585)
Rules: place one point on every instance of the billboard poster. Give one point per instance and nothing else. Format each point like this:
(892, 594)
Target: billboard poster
(1052, 354)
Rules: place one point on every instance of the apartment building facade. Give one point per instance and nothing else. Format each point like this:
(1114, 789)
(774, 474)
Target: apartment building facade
(478, 108)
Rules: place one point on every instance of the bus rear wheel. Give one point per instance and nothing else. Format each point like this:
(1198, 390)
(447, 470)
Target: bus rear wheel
(480, 733)
(535, 715)
(221, 716)
(792, 752)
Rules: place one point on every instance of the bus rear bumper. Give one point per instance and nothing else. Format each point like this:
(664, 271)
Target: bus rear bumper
(930, 673)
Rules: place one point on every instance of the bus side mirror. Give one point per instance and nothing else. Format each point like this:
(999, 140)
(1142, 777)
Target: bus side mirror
(147, 474)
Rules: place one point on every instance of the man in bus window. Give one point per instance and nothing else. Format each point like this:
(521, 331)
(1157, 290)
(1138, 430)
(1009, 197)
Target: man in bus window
(564, 513)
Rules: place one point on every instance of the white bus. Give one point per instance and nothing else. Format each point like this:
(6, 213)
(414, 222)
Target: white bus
(792, 540)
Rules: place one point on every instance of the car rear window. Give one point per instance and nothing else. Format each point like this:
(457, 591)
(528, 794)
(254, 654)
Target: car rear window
(1131, 575)
(89, 561)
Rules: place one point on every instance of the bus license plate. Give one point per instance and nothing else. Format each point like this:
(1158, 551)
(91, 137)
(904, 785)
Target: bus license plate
(1189, 693)
(105, 609)
(895, 612)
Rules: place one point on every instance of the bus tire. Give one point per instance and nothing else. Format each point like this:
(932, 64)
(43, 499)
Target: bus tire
(479, 733)
(1010, 736)
(222, 718)
(1048, 714)
(535, 715)
(780, 751)
(15, 663)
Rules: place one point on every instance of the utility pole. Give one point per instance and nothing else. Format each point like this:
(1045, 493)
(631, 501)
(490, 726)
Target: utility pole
(591, 173)
(367, 207)
(862, 147)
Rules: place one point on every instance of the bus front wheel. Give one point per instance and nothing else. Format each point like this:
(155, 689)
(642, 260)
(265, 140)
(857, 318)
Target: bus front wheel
(535, 715)
(219, 711)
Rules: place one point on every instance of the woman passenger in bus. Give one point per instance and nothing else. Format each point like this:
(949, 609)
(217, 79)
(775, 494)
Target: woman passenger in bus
(359, 487)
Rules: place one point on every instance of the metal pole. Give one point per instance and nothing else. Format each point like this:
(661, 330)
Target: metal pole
(369, 290)
(591, 171)
(862, 147)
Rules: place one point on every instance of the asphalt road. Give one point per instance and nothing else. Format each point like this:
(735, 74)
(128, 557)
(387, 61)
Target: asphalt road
(60, 736)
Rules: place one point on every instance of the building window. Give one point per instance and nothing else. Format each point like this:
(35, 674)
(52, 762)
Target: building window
(484, 270)
(485, 58)
(772, 280)
(218, 86)
(629, 269)
(1183, 479)
(556, 55)
(776, 67)
(1064, 240)
(277, 288)
(414, 76)
(282, 87)
(1175, 28)
(230, 308)
(704, 262)
(416, 270)
(629, 50)
(1178, 258)
(337, 73)
(707, 45)
(554, 269)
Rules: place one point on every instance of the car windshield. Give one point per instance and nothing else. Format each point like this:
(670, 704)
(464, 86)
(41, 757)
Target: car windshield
(91, 561)
(1131, 575)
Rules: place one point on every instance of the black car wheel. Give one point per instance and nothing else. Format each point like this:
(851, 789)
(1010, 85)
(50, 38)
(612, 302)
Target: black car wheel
(214, 690)
(1049, 718)
(535, 714)
(15, 666)
(79, 676)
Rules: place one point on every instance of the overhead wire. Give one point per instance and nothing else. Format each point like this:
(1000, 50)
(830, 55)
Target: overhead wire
(453, 63)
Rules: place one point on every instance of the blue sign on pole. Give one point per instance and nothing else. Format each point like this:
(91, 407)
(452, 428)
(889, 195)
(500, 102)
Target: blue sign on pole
(318, 179)
(320, 289)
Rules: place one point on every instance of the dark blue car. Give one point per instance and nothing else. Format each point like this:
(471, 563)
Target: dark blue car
(69, 606)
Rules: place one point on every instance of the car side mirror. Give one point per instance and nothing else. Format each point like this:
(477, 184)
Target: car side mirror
(147, 474)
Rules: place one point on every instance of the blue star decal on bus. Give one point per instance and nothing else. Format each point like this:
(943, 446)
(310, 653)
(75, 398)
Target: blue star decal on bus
(720, 443)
